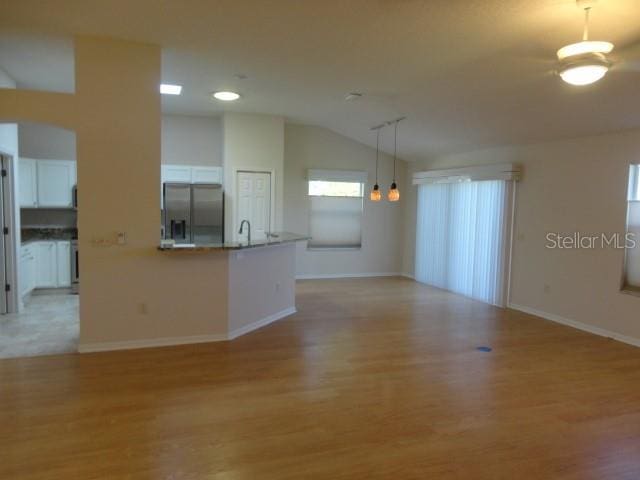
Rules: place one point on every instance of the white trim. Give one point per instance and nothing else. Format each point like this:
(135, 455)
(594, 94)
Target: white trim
(579, 325)
(408, 275)
(505, 171)
(319, 276)
(261, 323)
(172, 341)
(154, 342)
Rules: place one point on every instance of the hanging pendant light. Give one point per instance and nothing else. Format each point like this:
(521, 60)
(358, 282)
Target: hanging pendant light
(376, 195)
(394, 193)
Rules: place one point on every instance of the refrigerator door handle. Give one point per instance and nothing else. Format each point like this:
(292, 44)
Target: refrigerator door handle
(173, 229)
(184, 229)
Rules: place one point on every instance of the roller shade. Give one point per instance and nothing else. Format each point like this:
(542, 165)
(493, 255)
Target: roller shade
(337, 175)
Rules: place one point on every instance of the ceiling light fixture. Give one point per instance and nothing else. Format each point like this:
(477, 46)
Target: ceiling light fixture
(376, 195)
(169, 89)
(226, 96)
(584, 62)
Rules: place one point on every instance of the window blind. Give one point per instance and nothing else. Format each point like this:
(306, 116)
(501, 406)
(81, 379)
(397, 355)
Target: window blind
(632, 254)
(462, 238)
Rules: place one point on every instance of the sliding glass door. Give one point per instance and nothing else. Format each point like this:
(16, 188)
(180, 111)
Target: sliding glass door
(463, 237)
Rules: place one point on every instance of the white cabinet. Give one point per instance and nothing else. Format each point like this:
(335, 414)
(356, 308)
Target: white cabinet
(176, 173)
(46, 265)
(206, 175)
(56, 179)
(63, 257)
(46, 183)
(26, 269)
(27, 186)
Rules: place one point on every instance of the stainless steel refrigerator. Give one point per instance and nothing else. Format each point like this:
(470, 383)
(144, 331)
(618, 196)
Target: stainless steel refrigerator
(194, 213)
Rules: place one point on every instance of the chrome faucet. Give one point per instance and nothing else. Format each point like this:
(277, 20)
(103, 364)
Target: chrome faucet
(248, 230)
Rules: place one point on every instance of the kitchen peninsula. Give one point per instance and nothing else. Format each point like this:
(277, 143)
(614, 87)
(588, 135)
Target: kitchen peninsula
(259, 278)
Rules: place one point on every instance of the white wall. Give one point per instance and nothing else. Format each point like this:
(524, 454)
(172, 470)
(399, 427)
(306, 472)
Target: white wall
(568, 186)
(308, 147)
(261, 285)
(188, 140)
(46, 141)
(253, 142)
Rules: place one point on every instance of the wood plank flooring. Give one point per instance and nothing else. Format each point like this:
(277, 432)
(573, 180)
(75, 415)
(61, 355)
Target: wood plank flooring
(371, 379)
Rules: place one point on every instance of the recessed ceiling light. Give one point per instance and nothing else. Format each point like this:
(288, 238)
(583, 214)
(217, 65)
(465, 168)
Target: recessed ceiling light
(226, 96)
(168, 89)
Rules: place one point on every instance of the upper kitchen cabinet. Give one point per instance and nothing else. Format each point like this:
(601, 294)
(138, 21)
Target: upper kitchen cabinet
(28, 187)
(206, 175)
(176, 173)
(56, 179)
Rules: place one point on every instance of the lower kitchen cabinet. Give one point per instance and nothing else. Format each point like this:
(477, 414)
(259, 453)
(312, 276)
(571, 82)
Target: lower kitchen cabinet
(63, 254)
(44, 264)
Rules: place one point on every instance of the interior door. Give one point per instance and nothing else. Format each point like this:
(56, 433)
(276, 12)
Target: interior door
(254, 203)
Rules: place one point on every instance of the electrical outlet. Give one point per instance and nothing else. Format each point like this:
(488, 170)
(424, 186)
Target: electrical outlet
(122, 238)
(277, 286)
(547, 288)
(142, 308)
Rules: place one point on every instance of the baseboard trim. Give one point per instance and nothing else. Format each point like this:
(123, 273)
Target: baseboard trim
(575, 324)
(173, 341)
(261, 323)
(323, 276)
(154, 342)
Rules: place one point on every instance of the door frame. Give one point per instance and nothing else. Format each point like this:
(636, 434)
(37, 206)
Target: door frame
(11, 240)
(272, 203)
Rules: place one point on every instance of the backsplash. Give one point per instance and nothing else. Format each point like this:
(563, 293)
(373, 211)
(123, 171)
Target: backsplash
(63, 233)
(45, 218)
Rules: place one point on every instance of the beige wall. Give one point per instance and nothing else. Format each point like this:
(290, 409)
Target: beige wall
(130, 292)
(252, 142)
(574, 185)
(308, 147)
(188, 140)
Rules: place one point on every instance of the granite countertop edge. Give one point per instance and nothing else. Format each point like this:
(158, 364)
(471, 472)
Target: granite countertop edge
(283, 238)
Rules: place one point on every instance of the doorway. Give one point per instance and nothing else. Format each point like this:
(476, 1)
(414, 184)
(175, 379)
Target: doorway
(254, 203)
(7, 270)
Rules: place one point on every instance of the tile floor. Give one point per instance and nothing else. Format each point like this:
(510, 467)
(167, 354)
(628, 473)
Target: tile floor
(48, 325)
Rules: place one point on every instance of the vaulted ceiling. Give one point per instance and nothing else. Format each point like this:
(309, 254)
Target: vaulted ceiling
(466, 73)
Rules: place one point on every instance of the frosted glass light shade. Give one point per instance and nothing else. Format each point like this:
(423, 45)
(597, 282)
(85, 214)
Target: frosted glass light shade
(394, 193)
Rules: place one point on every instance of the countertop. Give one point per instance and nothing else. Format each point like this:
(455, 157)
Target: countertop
(275, 238)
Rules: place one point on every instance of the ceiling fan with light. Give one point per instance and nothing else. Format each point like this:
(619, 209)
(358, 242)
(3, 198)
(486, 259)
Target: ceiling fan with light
(587, 61)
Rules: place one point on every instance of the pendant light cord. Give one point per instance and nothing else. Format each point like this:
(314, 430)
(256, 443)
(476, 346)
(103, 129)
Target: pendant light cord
(395, 146)
(377, 152)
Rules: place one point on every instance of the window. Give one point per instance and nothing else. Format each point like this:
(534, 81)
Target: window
(632, 257)
(336, 202)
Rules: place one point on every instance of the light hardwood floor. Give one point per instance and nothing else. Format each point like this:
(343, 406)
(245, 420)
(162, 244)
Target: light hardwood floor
(373, 378)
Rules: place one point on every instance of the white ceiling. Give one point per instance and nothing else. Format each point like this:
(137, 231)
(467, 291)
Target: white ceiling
(466, 73)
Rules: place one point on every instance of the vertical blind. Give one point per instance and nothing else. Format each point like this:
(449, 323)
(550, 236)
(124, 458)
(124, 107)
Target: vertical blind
(462, 237)
(632, 261)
